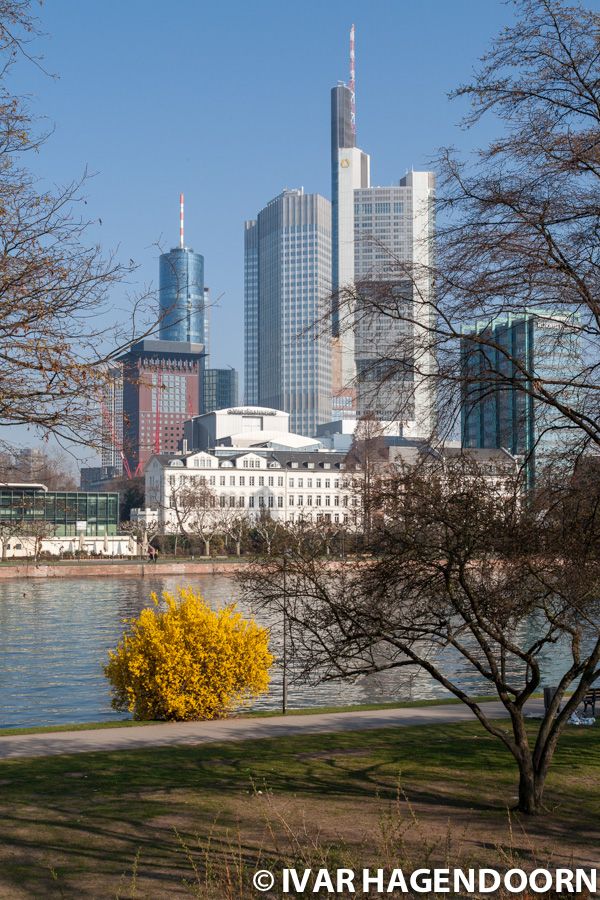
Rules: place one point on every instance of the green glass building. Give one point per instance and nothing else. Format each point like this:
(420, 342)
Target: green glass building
(71, 513)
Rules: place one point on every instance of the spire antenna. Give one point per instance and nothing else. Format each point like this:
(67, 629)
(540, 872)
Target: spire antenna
(352, 83)
(181, 242)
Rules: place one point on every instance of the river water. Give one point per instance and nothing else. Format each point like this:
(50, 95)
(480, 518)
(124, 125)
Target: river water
(55, 635)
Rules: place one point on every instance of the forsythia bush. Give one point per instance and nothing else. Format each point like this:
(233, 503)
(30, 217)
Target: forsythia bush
(187, 661)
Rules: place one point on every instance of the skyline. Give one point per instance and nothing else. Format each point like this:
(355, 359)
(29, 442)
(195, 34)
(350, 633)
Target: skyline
(278, 100)
(250, 103)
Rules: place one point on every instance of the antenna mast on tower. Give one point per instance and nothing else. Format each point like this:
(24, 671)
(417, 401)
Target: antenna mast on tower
(181, 243)
(352, 83)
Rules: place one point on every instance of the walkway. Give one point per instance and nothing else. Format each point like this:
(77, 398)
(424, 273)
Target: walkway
(169, 734)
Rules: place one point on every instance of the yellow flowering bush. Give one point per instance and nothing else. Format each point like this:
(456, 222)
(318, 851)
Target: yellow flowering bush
(187, 661)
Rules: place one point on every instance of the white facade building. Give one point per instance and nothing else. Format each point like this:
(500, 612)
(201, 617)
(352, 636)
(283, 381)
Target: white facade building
(289, 486)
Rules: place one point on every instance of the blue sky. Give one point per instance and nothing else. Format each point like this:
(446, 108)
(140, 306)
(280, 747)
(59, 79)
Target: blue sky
(229, 102)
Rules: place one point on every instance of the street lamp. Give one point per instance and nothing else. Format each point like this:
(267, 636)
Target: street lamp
(284, 660)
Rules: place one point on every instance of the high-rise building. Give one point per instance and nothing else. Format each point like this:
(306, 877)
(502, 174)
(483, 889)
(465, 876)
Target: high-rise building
(220, 389)
(111, 449)
(498, 411)
(181, 293)
(350, 170)
(287, 291)
(161, 389)
(251, 312)
(393, 242)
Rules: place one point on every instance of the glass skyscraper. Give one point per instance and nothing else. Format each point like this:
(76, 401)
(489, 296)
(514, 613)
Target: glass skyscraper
(181, 296)
(497, 409)
(287, 293)
(251, 312)
(220, 389)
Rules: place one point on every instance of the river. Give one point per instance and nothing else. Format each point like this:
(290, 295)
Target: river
(55, 635)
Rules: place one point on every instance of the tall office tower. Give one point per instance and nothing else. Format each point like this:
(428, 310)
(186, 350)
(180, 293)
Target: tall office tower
(181, 293)
(112, 421)
(394, 227)
(251, 312)
(288, 285)
(350, 170)
(497, 413)
(161, 389)
(220, 389)
(207, 320)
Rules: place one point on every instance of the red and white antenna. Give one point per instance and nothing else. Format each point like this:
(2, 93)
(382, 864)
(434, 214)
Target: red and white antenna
(352, 83)
(181, 243)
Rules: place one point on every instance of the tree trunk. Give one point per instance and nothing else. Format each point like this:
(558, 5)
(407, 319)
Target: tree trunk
(238, 548)
(531, 790)
(206, 547)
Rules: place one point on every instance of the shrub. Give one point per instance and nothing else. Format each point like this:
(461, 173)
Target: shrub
(186, 661)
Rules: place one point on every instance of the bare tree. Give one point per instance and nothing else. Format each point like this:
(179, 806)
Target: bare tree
(463, 574)
(517, 233)
(54, 288)
(196, 512)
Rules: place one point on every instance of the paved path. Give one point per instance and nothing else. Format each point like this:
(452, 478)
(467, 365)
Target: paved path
(194, 733)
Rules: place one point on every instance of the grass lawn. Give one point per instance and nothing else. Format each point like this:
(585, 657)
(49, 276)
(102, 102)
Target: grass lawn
(190, 822)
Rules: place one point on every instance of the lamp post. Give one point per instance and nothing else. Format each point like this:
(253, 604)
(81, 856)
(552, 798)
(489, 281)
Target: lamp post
(284, 660)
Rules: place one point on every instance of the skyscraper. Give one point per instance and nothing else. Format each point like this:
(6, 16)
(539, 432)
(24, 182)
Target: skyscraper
(350, 170)
(251, 312)
(112, 421)
(287, 290)
(377, 231)
(161, 381)
(181, 293)
(220, 389)
(498, 411)
(393, 240)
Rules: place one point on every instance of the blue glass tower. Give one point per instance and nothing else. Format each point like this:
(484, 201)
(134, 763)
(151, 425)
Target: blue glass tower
(181, 296)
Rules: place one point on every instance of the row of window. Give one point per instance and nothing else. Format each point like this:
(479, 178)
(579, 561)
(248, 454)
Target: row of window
(263, 481)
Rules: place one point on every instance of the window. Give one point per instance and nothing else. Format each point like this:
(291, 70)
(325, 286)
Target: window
(345, 501)
(291, 500)
(242, 480)
(280, 502)
(271, 481)
(292, 483)
(271, 502)
(251, 480)
(261, 501)
(328, 482)
(318, 483)
(232, 480)
(300, 500)
(242, 501)
(212, 480)
(280, 481)
(232, 501)
(309, 500)
(301, 482)
(318, 500)
(222, 500)
(261, 481)
(309, 482)
(327, 500)
(222, 480)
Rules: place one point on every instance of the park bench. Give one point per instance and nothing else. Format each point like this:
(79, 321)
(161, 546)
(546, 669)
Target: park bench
(590, 699)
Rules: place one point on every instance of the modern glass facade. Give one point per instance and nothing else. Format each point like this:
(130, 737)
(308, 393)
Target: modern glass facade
(497, 409)
(293, 287)
(251, 333)
(220, 389)
(96, 513)
(181, 296)
(393, 236)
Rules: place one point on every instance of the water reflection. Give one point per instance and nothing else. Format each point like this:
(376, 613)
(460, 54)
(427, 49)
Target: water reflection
(55, 635)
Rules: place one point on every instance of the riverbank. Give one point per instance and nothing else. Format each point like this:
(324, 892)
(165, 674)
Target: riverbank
(173, 734)
(119, 568)
(199, 821)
